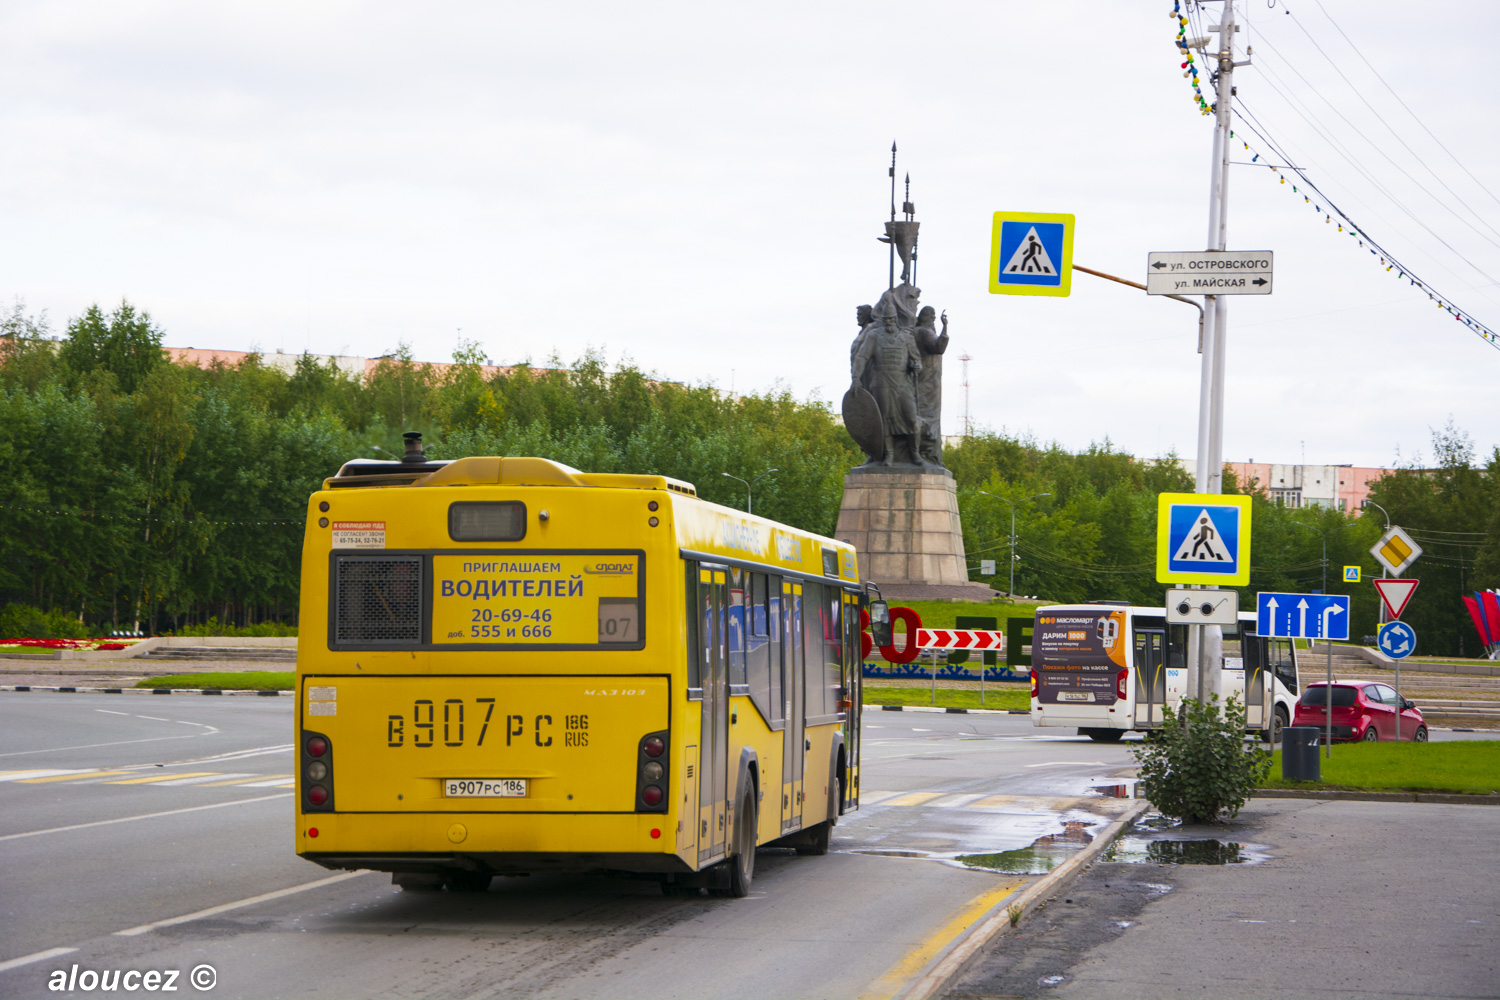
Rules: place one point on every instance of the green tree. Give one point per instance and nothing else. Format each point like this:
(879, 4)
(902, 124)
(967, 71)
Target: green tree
(125, 344)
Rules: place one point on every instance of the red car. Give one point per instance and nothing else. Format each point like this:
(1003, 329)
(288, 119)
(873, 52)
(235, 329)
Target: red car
(1362, 710)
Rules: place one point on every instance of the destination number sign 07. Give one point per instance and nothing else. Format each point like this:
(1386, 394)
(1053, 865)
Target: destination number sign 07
(484, 788)
(1209, 272)
(538, 599)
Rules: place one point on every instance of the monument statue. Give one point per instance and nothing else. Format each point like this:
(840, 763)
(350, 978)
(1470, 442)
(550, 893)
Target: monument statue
(894, 405)
(900, 507)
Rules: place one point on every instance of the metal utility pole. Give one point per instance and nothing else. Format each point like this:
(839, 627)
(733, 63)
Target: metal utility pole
(1206, 641)
(1012, 591)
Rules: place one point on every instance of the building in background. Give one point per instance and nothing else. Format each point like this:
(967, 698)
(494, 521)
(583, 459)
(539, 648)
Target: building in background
(1343, 487)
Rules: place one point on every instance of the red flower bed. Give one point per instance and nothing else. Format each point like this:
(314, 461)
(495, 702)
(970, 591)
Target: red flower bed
(103, 643)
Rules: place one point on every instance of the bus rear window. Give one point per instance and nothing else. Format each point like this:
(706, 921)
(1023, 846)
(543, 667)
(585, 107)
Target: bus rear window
(480, 521)
(1343, 697)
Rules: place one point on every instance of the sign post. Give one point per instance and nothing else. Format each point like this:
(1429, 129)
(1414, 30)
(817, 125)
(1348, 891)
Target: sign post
(1307, 616)
(1395, 594)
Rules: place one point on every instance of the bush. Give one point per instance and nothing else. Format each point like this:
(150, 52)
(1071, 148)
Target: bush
(212, 627)
(22, 621)
(1204, 769)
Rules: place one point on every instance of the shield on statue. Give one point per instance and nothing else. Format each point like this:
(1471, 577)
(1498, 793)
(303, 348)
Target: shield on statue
(863, 421)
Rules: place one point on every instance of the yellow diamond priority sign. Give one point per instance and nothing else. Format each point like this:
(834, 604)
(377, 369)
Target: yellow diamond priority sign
(1396, 551)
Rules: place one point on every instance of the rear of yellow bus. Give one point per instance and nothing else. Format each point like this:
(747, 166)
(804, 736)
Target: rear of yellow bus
(488, 672)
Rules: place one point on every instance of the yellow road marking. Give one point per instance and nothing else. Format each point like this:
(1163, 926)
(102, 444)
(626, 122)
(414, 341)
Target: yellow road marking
(901, 974)
(993, 802)
(163, 777)
(914, 799)
(71, 777)
(234, 781)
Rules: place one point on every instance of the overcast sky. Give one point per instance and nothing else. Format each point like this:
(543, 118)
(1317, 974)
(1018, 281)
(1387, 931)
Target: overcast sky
(699, 188)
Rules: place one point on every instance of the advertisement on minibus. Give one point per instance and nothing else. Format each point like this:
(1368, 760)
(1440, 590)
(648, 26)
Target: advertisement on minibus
(1077, 656)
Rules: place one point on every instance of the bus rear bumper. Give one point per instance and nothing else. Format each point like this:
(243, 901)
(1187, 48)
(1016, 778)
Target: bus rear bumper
(501, 863)
(492, 842)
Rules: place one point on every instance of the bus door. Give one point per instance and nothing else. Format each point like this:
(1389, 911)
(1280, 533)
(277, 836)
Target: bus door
(850, 696)
(1257, 678)
(1150, 675)
(793, 669)
(714, 742)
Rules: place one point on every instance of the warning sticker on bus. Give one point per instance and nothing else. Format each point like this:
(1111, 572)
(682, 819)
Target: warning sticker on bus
(1078, 656)
(537, 599)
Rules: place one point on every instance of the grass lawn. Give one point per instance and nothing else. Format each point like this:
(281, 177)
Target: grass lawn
(1018, 697)
(249, 680)
(1467, 766)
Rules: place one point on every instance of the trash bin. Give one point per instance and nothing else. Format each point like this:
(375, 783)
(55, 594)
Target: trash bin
(1299, 753)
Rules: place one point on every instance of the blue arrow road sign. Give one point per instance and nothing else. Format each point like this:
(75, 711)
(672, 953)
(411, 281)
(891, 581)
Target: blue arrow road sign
(1302, 616)
(1397, 640)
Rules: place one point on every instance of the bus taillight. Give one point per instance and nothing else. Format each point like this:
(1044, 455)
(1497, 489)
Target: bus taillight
(651, 773)
(1120, 679)
(1033, 683)
(317, 773)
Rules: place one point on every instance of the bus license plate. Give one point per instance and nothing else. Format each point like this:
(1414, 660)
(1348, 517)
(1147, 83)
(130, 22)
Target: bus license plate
(1075, 696)
(484, 788)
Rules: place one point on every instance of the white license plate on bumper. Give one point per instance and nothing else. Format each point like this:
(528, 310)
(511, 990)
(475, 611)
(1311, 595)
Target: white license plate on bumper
(484, 788)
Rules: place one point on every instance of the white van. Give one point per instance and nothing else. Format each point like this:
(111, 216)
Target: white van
(1108, 668)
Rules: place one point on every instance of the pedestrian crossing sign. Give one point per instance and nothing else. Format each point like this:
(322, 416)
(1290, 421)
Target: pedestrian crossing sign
(1031, 253)
(1203, 538)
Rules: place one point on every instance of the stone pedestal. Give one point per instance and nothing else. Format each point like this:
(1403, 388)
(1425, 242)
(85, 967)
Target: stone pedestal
(904, 522)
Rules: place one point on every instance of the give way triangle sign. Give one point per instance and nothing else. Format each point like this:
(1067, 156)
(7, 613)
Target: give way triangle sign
(1395, 594)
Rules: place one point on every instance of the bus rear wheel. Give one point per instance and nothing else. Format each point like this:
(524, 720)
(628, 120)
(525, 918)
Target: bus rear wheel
(1103, 735)
(742, 865)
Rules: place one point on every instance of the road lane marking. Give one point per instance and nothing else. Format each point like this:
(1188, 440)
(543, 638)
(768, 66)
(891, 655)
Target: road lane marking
(914, 799)
(116, 743)
(279, 781)
(896, 979)
(155, 815)
(994, 802)
(153, 779)
(238, 904)
(152, 718)
(236, 781)
(40, 956)
(200, 779)
(954, 801)
(40, 772)
(71, 777)
(108, 712)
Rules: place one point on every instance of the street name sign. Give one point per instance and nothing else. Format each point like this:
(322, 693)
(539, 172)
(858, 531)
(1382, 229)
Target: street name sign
(1203, 538)
(1302, 616)
(1396, 551)
(1209, 272)
(1397, 640)
(1395, 593)
(1203, 607)
(1031, 253)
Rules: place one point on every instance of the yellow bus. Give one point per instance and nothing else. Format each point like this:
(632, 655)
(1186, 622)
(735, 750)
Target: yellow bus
(506, 665)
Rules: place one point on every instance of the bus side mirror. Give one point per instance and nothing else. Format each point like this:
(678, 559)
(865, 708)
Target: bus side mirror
(880, 623)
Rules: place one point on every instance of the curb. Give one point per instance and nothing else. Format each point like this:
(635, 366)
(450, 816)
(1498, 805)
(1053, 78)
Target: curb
(996, 922)
(65, 689)
(947, 711)
(1445, 798)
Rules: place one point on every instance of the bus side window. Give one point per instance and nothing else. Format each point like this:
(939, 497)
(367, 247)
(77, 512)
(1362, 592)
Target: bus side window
(758, 648)
(1177, 645)
(735, 626)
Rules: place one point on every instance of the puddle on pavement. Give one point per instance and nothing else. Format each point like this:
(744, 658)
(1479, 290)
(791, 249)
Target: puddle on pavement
(1145, 845)
(1122, 790)
(1045, 854)
(1144, 851)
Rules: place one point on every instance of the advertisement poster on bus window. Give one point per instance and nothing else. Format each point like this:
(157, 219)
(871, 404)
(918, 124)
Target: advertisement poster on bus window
(1077, 656)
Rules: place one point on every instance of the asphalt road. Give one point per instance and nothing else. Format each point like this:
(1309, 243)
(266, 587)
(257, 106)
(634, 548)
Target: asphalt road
(123, 814)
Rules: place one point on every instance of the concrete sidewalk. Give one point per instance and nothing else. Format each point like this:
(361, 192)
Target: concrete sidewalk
(1355, 899)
